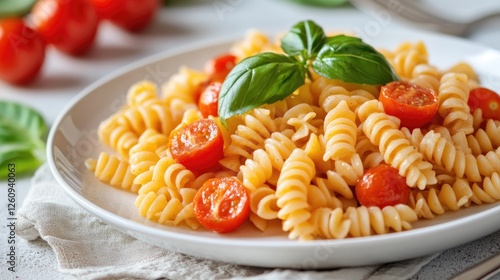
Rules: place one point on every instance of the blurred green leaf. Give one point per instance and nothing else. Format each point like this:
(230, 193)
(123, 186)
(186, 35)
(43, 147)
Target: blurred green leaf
(15, 8)
(22, 134)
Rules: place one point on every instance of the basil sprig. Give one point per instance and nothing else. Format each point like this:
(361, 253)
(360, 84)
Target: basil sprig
(269, 77)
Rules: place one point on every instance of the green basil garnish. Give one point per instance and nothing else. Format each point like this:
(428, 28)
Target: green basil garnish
(22, 133)
(267, 77)
(258, 80)
(305, 39)
(351, 60)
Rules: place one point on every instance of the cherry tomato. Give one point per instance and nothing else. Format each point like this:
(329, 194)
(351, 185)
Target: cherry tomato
(222, 204)
(131, 15)
(382, 186)
(220, 66)
(217, 70)
(198, 145)
(209, 99)
(22, 51)
(69, 25)
(414, 105)
(487, 100)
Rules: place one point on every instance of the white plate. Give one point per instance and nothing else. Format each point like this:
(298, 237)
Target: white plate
(73, 139)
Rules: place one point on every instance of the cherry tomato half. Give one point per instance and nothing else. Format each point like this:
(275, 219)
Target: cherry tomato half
(220, 66)
(414, 105)
(22, 51)
(198, 145)
(131, 15)
(209, 100)
(69, 25)
(382, 186)
(222, 204)
(487, 100)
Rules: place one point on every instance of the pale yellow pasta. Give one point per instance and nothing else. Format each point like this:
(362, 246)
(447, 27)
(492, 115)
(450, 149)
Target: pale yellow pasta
(443, 153)
(142, 93)
(435, 201)
(484, 140)
(303, 119)
(426, 76)
(407, 57)
(111, 170)
(291, 190)
(182, 85)
(340, 133)
(398, 151)
(453, 95)
(267, 161)
(120, 137)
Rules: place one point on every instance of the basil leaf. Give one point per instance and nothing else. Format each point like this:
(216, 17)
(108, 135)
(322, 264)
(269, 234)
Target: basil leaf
(22, 133)
(351, 60)
(13, 8)
(257, 80)
(305, 38)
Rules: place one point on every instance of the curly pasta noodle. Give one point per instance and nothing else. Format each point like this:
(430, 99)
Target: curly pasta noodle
(398, 151)
(172, 211)
(117, 136)
(407, 57)
(182, 86)
(340, 133)
(302, 118)
(362, 221)
(111, 170)
(248, 137)
(291, 190)
(435, 201)
(142, 93)
(443, 153)
(256, 171)
(426, 76)
(484, 140)
(453, 95)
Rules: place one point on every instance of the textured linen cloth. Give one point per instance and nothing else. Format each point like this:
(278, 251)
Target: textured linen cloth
(87, 248)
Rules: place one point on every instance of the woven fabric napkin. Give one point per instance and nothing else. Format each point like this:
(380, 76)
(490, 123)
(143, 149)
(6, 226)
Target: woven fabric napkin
(87, 248)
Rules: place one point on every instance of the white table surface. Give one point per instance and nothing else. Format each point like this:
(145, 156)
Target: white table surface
(63, 77)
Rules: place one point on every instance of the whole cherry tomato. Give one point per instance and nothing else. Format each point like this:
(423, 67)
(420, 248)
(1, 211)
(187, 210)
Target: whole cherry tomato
(198, 145)
(217, 70)
(220, 66)
(209, 100)
(414, 105)
(382, 186)
(69, 25)
(132, 15)
(22, 51)
(222, 204)
(487, 100)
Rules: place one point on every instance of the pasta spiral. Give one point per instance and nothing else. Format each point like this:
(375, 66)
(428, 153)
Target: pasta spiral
(111, 170)
(453, 95)
(291, 190)
(398, 151)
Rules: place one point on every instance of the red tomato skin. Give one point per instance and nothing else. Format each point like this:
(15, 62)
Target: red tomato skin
(220, 66)
(198, 146)
(69, 25)
(393, 96)
(382, 186)
(209, 100)
(22, 52)
(222, 204)
(131, 15)
(487, 100)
